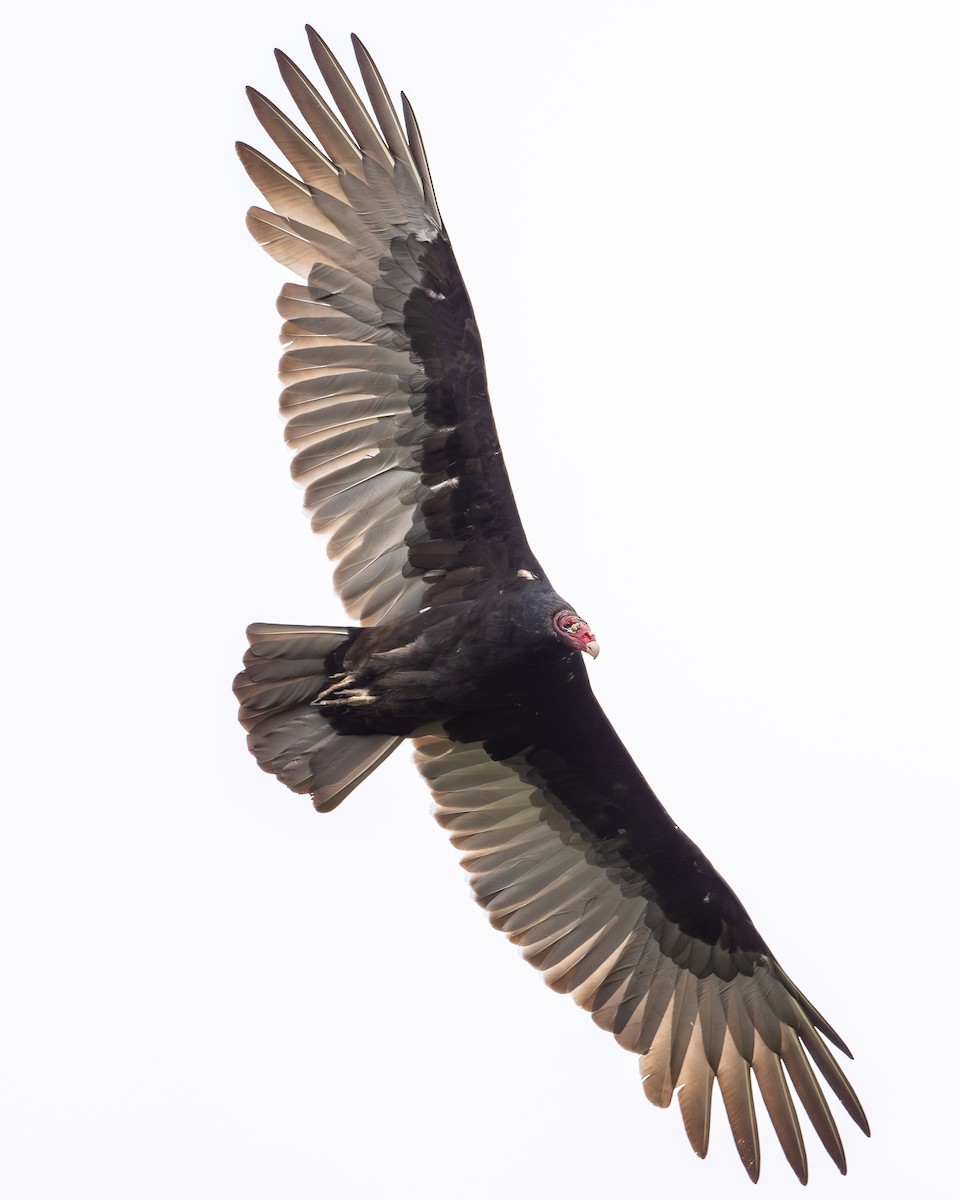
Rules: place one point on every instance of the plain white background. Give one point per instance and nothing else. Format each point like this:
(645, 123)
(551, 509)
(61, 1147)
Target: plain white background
(714, 254)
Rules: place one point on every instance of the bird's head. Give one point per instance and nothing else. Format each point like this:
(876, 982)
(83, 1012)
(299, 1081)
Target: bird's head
(574, 631)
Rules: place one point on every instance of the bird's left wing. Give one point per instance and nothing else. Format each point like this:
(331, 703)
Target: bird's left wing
(386, 395)
(575, 859)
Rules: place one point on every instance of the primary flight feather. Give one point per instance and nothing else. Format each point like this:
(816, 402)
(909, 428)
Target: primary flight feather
(464, 647)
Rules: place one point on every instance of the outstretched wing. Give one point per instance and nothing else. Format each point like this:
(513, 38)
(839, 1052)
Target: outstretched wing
(386, 396)
(575, 859)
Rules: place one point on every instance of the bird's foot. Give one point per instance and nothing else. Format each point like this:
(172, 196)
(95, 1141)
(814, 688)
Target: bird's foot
(340, 695)
(339, 681)
(351, 698)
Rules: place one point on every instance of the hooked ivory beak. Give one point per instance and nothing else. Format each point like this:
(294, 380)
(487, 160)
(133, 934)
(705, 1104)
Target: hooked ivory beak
(592, 648)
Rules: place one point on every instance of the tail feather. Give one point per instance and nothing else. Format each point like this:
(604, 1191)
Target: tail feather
(285, 667)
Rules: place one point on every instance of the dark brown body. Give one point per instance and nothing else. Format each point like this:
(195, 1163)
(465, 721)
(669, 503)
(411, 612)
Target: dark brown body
(493, 654)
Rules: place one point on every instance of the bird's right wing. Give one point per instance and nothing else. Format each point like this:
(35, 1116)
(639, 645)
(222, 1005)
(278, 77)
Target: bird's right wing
(386, 396)
(574, 858)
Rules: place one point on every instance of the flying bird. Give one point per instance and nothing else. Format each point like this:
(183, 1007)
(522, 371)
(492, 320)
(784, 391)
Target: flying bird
(462, 645)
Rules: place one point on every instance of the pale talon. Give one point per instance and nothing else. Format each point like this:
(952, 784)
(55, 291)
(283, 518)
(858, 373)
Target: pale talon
(339, 681)
(351, 698)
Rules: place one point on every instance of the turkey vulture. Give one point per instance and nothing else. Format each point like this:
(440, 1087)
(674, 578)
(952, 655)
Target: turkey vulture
(464, 647)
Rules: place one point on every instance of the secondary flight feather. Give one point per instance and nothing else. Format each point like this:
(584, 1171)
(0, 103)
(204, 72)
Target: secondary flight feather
(462, 645)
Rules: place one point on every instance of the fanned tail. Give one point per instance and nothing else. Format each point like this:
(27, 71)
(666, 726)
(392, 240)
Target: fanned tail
(285, 668)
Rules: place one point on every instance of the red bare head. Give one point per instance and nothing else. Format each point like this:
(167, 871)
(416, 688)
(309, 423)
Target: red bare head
(575, 632)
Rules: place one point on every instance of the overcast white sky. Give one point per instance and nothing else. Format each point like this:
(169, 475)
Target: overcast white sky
(714, 253)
